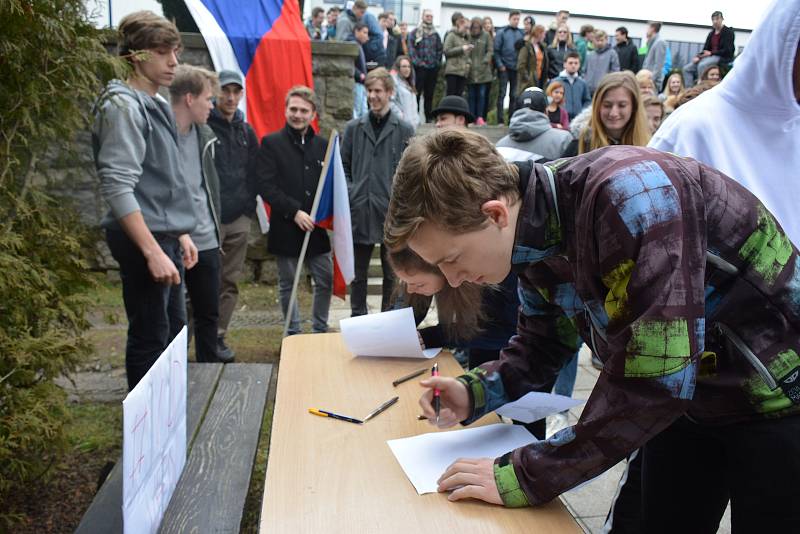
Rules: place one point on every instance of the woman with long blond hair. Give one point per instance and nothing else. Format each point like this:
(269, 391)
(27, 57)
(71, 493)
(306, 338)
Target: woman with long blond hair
(558, 50)
(673, 90)
(617, 117)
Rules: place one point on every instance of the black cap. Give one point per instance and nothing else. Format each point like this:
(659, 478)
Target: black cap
(532, 98)
(456, 105)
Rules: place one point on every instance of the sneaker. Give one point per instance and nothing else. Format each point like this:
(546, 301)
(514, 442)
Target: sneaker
(480, 122)
(224, 352)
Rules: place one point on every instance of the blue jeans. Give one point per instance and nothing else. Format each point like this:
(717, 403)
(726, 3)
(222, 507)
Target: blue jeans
(321, 268)
(565, 382)
(476, 93)
(156, 312)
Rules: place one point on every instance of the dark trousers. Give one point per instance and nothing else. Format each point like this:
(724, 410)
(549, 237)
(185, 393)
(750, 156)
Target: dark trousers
(477, 97)
(689, 471)
(156, 312)
(454, 85)
(507, 77)
(358, 288)
(426, 84)
(203, 284)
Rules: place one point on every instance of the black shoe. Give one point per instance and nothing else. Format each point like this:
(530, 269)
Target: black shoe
(224, 352)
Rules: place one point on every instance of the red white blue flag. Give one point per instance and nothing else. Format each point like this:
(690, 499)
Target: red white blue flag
(264, 40)
(331, 210)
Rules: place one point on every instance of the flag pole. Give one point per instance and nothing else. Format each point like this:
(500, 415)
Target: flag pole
(314, 207)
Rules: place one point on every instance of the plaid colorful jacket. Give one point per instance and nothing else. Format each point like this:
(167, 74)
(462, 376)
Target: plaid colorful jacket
(681, 282)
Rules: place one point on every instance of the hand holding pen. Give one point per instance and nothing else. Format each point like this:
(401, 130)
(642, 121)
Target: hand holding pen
(453, 401)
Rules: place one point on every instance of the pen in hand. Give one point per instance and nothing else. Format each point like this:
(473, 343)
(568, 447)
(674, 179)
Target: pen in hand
(437, 401)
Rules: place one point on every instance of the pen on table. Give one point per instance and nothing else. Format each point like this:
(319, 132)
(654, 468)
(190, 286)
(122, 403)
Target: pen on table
(325, 413)
(407, 377)
(437, 402)
(381, 408)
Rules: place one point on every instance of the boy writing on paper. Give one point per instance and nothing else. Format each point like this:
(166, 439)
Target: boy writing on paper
(651, 258)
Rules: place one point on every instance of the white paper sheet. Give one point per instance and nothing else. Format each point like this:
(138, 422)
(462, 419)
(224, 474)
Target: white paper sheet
(387, 334)
(425, 457)
(154, 439)
(535, 405)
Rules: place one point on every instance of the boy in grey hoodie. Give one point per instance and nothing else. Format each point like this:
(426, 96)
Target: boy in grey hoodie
(600, 61)
(530, 128)
(136, 155)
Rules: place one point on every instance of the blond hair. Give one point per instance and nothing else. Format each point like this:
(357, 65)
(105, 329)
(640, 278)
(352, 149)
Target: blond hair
(192, 80)
(380, 75)
(635, 133)
(301, 91)
(570, 44)
(144, 30)
(444, 178)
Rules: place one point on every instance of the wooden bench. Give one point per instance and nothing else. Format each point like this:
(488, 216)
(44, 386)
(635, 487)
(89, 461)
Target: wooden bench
(224, 410)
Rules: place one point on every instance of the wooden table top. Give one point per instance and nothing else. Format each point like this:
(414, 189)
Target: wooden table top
(325, 475)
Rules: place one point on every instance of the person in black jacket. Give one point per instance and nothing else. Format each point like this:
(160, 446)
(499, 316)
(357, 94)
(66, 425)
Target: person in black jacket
(236, 151)
(626, 51)
(289, 166)
(718, 48)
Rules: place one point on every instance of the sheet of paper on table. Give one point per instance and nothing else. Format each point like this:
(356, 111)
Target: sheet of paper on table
(425, 457)
(390, 334)
(536, 405)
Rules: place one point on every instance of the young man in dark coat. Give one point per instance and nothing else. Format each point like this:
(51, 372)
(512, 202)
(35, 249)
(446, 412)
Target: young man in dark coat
(718, 48)
(289, 167)
(371, 149)
(236, 152)
(626, 51)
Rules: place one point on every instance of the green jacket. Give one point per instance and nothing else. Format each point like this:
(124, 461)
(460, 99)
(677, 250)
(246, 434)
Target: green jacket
(481, 57)
(526, 68)
(458, 63)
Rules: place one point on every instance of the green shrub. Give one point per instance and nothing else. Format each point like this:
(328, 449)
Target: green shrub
(53, 65)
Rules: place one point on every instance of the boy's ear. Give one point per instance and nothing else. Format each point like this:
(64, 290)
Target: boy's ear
(497, 212)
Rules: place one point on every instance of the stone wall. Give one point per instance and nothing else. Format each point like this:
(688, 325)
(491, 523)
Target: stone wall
(75, 181)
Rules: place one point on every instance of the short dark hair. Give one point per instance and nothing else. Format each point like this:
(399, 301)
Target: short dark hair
(455, 17)
(717, 14)
(359, 4)
(316, 11)
(530, 19)
(586, 28)
(623, 30)
(560, 11)
(383, 16)
(572, 54)
(334, 9)
(655, 25)
(513, 12)
(358, 26)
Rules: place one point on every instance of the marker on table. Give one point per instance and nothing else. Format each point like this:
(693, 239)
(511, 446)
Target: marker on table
(407, 377)
(437, 402)
(325, 413)
(381, 408)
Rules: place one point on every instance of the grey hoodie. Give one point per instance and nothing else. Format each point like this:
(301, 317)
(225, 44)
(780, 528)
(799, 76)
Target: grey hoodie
(531, 131)
(600, 62)
(136, 156)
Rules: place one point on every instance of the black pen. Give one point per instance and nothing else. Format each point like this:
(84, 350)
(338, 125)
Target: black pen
(325, 413)
(407, 377)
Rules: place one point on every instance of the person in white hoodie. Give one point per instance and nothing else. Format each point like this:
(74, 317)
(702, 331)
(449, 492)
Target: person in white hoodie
(755, 142)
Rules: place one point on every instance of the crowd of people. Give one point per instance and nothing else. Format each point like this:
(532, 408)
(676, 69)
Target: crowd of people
(474, 55)
(568, 231)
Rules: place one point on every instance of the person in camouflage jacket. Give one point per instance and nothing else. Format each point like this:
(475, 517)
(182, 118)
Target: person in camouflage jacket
(681, 282)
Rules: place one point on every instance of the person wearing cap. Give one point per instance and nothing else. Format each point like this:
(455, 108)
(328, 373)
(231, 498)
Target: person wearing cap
(452, 110)
(530, 128)
(236, 151)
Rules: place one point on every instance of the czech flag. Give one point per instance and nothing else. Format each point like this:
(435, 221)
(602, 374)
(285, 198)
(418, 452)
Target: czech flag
(331, 210)
(264, 40)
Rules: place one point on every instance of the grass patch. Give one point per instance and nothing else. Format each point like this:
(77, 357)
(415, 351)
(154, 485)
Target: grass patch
(95, 427)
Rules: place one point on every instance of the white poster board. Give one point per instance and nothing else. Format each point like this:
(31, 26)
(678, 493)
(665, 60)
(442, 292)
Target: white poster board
(154, 439)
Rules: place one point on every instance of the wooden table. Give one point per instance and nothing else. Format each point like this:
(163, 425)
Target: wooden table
(327, 476)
